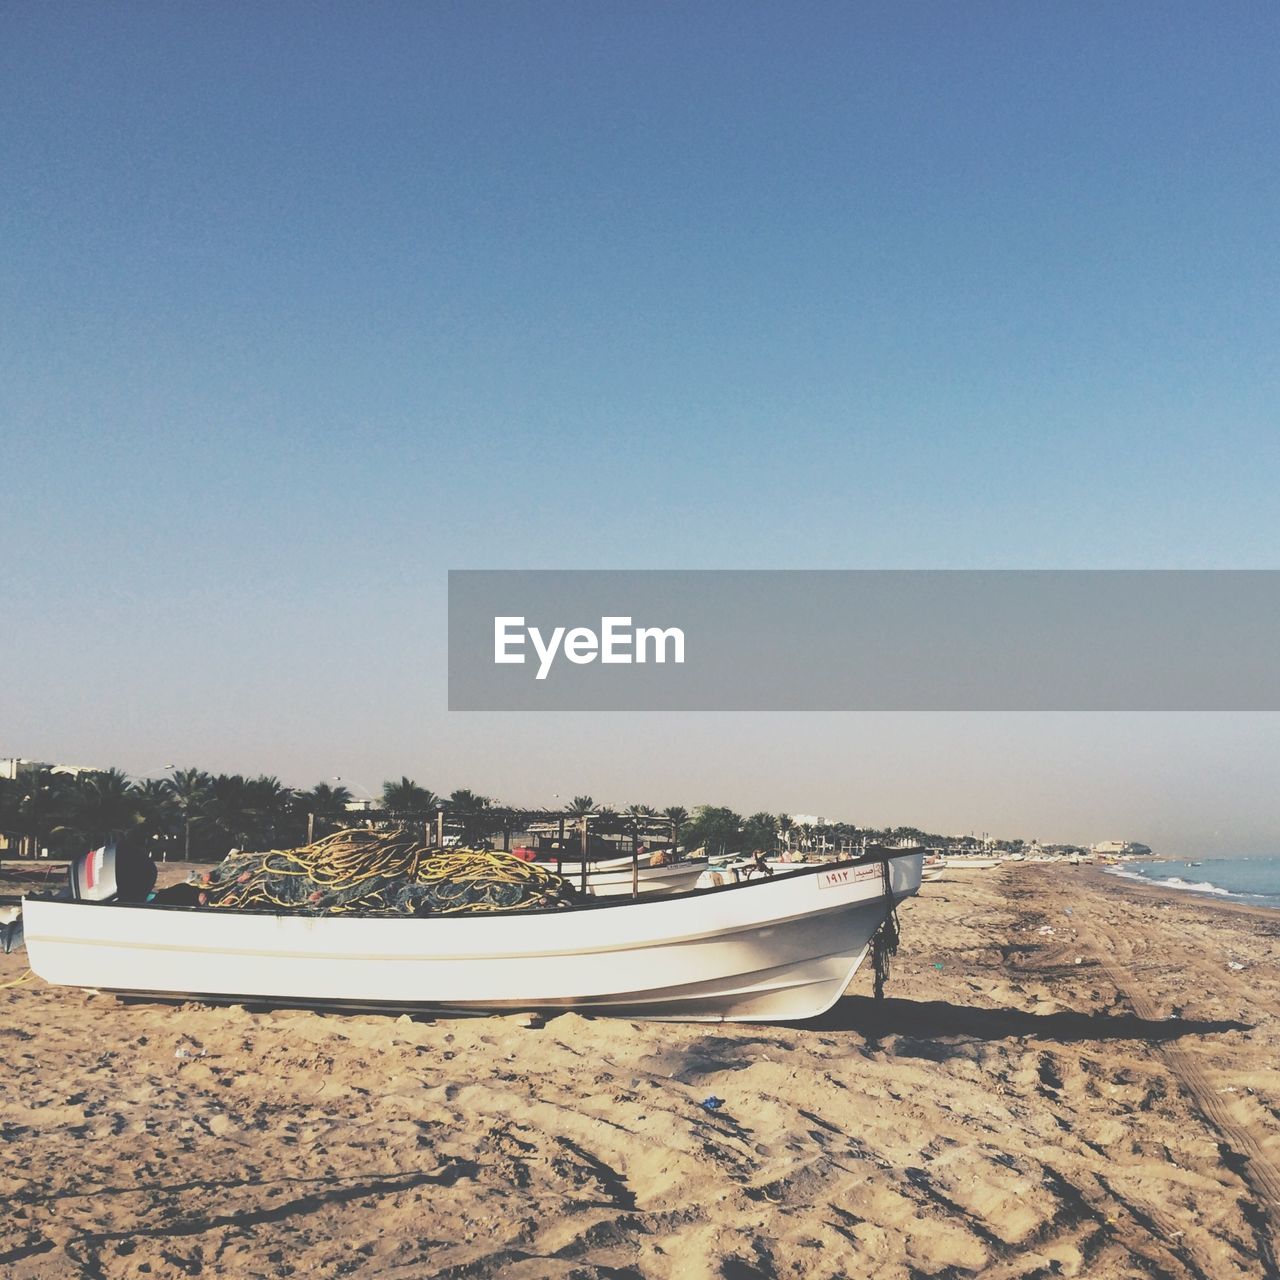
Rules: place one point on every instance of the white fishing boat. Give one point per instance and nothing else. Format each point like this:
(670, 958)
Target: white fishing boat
(783, 948)
(612, 877)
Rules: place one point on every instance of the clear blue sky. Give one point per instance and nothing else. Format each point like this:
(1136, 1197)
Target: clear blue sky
(302, 305)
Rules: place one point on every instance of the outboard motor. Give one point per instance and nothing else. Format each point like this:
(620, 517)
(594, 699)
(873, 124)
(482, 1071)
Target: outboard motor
(120, 871)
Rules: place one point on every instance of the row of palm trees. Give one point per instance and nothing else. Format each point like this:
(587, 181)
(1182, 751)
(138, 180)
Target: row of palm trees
(604, 817)
(190, 812)
(195, 814)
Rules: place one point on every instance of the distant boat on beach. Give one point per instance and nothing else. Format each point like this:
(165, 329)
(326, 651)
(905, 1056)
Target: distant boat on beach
(614, 877)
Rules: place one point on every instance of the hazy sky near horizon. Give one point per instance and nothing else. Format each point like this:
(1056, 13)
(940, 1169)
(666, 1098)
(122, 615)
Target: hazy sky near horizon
(303, 305)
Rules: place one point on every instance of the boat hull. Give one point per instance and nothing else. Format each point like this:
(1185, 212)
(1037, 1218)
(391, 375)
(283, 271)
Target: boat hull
(783, 949)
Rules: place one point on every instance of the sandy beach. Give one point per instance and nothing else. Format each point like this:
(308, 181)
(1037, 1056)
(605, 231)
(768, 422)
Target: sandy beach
(1071, 1077)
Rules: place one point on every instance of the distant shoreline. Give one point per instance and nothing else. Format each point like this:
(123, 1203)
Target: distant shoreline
(1149, 889)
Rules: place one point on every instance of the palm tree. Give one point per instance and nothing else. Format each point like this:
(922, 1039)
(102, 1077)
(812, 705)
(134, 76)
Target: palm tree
(760, 831)
(190, 791)
(785, 827)
(677, 817)
(247, 813)
(99, 807)
(160, 817)
(326, 805)
(407, 802)
(271, 805)
(717, 829)
(639, 815)
(580, 807)
(475, 814)
(226, 812)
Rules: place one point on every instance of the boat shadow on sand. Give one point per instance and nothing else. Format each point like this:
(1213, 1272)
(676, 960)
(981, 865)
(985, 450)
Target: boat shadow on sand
(939, 1019)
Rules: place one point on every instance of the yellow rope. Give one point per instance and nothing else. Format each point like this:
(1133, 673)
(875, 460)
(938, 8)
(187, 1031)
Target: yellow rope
(4, 986)
(345, 860)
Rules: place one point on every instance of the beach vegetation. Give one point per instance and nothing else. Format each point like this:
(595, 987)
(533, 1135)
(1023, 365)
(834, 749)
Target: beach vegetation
(677, 817)
(408, 801)
(201, 816)
(714, 828)
(324, 806)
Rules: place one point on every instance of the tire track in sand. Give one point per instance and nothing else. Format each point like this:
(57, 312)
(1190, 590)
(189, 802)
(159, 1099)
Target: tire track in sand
(1246, 1156)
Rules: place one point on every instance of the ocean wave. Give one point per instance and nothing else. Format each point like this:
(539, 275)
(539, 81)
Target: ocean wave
(1193, 886)
(1177, 882)
(1127, 875)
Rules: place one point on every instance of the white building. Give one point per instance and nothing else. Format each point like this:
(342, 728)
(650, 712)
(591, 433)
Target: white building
(1120, 847)
(13, 766)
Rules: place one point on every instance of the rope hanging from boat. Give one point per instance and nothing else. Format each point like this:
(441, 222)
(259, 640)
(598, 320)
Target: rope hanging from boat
(378, 873)
(884, 945)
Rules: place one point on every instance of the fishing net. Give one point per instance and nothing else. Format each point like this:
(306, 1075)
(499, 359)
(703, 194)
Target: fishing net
(884, 946)
(379, 874)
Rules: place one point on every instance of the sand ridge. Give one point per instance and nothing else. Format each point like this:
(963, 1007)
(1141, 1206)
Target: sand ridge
(1067, 1079)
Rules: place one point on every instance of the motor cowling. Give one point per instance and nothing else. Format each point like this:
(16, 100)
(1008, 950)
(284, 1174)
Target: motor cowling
(118, 871)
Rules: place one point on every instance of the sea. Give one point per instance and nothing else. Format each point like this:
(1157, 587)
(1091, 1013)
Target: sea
(1254, 879)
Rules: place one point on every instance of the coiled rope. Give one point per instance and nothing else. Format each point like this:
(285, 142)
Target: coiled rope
(379, 873)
